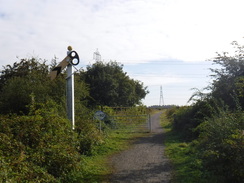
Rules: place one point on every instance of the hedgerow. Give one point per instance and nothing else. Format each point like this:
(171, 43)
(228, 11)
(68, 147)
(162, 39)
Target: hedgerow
(221, 143)
(214, 123)
(37, 148)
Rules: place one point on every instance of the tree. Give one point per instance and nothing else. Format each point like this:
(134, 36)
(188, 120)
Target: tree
(26, 82)
(23, 83)
(22, 69)
(110, 86)
(228, 83)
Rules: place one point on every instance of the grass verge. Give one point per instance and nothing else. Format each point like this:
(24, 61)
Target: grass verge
(96, 168)
(187, 167)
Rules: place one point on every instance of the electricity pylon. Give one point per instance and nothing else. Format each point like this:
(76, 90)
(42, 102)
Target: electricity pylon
(161, 100)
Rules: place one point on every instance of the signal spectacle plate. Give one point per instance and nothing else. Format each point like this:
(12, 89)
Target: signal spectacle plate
(75, 60)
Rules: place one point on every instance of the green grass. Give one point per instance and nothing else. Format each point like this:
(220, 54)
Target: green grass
(96, 168)
(187, 167)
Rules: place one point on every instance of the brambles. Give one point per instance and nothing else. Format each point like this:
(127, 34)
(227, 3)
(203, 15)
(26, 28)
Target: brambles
(214, 123)
(36, 148)
(221, 142)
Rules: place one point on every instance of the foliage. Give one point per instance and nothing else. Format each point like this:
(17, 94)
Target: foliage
(215, 156)
(39, 147)
(221, 143)
(22, 69)
(228, 79)
(187, 166)
(215, 120)
(240, 86)
(110, 86)
(226, 92)
(36, 140)
(27, 82)
(186, 119)
(89, 136)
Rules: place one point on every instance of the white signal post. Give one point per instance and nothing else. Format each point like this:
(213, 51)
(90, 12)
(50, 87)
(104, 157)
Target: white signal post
(70, 92)
(69, 61)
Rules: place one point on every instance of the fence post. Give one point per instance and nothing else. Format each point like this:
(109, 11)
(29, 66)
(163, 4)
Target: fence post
(149, 123)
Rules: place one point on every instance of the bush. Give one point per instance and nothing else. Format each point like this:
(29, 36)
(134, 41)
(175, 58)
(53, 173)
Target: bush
(88, 136)
(170, 113)
(186, 119)
(222, 146)
(37, 148)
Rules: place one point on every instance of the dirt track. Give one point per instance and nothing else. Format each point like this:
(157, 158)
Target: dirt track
(145, 161)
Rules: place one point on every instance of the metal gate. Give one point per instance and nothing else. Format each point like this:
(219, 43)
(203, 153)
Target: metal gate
(133, 123)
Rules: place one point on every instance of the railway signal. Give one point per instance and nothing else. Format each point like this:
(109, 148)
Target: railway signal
(69, 61)
(72, 59)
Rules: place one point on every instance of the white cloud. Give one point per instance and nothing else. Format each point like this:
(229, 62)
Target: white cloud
(122, 30)
(129, 31)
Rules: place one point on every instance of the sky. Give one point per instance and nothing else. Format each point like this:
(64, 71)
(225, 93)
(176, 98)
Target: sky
(159, 42)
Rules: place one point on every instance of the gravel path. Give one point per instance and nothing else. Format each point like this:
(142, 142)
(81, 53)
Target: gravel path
(145, 161)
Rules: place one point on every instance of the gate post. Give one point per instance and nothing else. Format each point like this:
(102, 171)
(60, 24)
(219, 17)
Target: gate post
(149, 123)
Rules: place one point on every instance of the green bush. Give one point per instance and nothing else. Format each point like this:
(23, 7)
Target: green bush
(37, 148)
(186, 119)
(170, 113)
(221, 143)
(89, 136)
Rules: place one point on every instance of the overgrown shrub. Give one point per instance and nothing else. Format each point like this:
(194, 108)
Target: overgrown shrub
(37, 148)
(216, 119)
(186, 119)
(89, 136)
(170, 113)
(221, 143)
